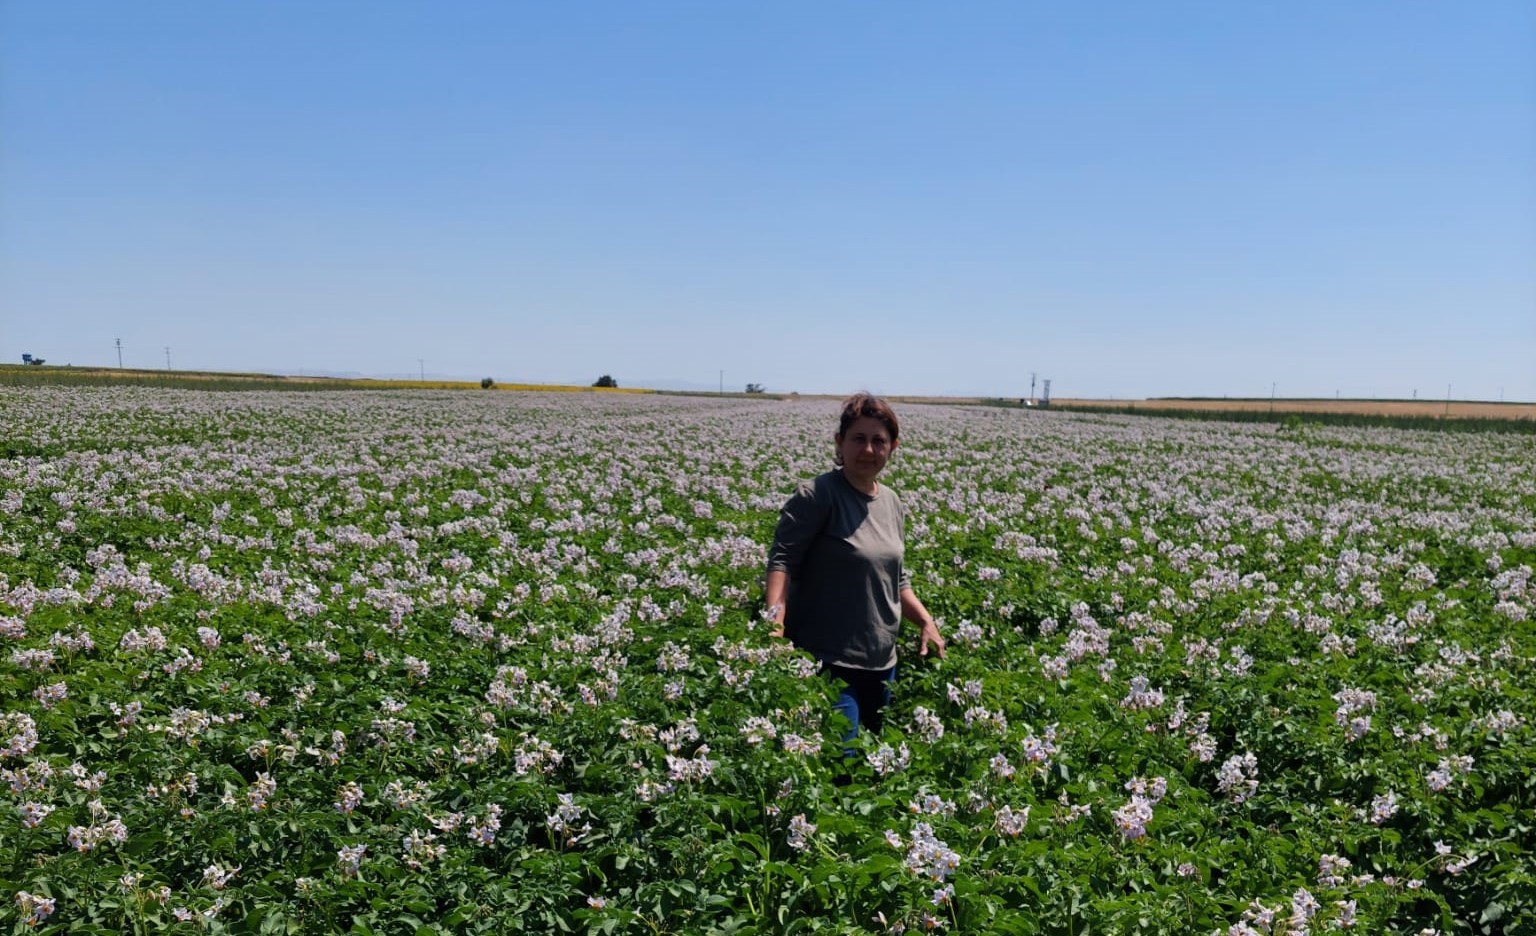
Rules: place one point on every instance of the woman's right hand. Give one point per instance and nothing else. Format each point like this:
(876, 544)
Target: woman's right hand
(774, 615)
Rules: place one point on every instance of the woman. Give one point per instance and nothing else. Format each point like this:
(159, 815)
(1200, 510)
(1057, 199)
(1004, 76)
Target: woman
(837, 586)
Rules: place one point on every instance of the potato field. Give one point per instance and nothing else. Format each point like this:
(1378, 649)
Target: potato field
(417, 662)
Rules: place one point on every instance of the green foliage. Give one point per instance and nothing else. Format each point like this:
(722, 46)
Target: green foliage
(500, 607)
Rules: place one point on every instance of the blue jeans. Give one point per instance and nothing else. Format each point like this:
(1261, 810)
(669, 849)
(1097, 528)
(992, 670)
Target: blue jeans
(865, 695)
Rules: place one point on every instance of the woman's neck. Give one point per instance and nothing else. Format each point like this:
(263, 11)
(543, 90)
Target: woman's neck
(867, 486)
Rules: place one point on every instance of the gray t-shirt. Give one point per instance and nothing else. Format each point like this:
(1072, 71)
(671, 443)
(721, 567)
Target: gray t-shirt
(843, 551)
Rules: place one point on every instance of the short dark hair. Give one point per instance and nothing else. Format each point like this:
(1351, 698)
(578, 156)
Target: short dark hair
(863, 404)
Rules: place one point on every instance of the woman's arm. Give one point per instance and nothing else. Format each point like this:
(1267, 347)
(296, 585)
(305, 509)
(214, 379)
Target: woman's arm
(773, 593)
(800, 521)
(912, 609)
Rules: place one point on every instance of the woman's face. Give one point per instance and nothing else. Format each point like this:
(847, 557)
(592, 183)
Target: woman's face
(865, 447)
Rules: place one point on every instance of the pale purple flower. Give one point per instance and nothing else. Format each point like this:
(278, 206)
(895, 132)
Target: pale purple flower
(34, 908)
(1383, 807)
(800, 832)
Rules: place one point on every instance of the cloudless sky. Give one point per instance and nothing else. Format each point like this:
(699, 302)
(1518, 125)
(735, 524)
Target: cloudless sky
(1133, 199)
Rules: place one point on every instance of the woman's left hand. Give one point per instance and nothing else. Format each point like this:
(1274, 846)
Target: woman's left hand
(930, 637)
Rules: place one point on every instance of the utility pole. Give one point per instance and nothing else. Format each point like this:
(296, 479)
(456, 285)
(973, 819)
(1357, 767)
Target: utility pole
(421, 366)
(1031, 386)
(167, 357)
(1447, 399)
(1272, 384)
(722, 383)
(119, 354)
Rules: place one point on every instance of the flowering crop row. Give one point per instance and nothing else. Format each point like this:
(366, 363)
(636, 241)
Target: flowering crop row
(435, 662)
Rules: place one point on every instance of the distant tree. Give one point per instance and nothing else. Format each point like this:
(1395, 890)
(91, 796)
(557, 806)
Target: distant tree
(754, 388)
(605, 381)
(487, 383)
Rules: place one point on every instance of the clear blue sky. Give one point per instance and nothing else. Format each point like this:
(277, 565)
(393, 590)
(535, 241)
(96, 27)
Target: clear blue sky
(1134, 199)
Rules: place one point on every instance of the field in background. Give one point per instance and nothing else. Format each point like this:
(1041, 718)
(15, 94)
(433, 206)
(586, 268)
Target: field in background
(1406, 414)
(1420, 409)
(22, 375)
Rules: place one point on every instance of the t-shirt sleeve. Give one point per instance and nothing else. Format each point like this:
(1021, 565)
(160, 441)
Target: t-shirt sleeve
(800, 519)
